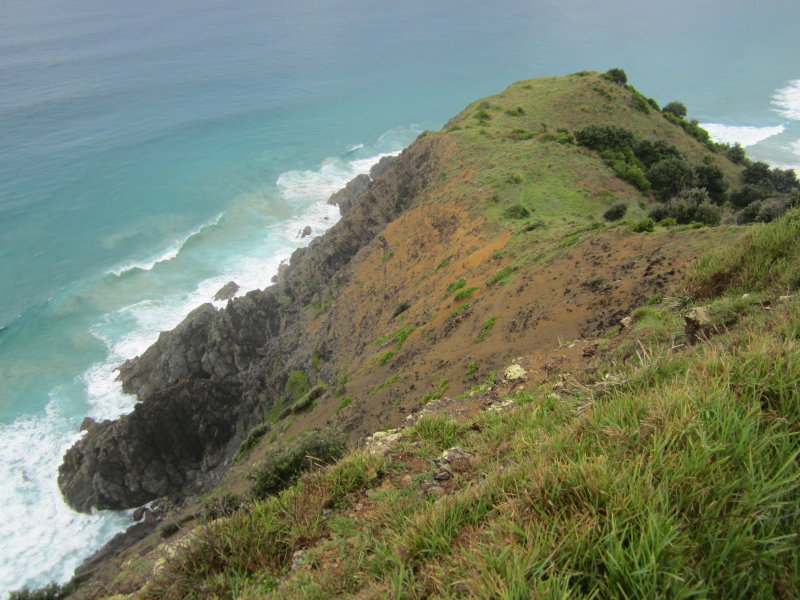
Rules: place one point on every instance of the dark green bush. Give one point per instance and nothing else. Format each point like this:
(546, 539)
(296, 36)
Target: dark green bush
(669, 176)
(306, 401)
(401, 308)
(711, 178)
(616, 212)
(221, 506)
(675, 108)
(517, 211)
(746, 195)
(650, 152)
(691, 205)
(281, 467)
(605, 137)
(643, 226)
(736, 154)
(252, 439)
(616, 75)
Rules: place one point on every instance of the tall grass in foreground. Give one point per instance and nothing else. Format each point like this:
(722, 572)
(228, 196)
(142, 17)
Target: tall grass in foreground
(682, 480)
(768, 256)
(680, 484)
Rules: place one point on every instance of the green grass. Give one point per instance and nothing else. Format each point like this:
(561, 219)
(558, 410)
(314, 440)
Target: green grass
(768, 255)
(683, 481)
(456, 285)
(393, 379)
(437, 393)
(464, 294)
(485, 329)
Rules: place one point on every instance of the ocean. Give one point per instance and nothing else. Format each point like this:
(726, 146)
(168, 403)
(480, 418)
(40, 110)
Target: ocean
(150, 152)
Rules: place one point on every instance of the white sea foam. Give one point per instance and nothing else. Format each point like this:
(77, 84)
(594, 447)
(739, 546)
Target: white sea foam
(47, 539)
(787, 100)
(169, 253)
(746, 135)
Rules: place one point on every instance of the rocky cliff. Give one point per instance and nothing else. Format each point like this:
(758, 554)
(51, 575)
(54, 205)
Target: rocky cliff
(204, 384)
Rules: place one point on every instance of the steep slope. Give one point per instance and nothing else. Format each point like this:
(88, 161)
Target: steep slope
(482, 241)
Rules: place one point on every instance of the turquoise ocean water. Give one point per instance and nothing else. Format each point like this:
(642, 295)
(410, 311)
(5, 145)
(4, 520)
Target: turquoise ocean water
(152, 151)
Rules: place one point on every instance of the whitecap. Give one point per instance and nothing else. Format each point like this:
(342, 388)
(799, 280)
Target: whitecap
(34, 513)
(746, 135)
(167, 254)
(787, 100)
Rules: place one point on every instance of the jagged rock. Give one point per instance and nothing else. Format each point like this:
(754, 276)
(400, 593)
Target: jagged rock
(306, 231)
(227, 291)
(163, 448)
(380, 167)
(381, 441)
(345, 197)
(87, 423)
(139, 513)
(119, 542)
(278, 277)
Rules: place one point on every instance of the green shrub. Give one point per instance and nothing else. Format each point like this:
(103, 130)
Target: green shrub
(464, 294)
(500, 276)
(252, 439)
(52, 591)
(221, 506)
(691, 205)
(669, 176)
(605, 137)
(456, 285)
(677, 109)
(437, 393)
(306, 401)
(515, 112)
(643, 226)
(281, 467)
(346, 401)
(485, 328)
(472, 368)
(169, 529)
(521, 134)
(517, 212)
(616, 75)
(386, 357)
(668, 222)
(616, 212)
(297, 384)
(401, 308)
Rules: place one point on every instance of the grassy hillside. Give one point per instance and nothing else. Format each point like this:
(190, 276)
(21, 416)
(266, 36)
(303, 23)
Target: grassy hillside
(618, 377)
(649, 469)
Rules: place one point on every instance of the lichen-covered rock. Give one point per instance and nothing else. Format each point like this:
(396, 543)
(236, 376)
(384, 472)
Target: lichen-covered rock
(514, 372)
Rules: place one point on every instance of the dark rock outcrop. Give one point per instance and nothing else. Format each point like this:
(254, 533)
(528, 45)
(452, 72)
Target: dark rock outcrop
(166, 447)
(227, 291)
(345, 197)
(203, 384)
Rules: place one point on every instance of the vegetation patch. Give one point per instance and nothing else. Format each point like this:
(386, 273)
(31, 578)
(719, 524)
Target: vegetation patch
(485, 329)
(437, 393)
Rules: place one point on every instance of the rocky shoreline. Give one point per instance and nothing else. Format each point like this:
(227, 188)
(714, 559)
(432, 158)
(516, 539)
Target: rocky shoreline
(205, 384)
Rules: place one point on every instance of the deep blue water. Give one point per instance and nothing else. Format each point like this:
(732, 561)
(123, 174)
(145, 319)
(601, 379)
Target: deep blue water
(151, 151)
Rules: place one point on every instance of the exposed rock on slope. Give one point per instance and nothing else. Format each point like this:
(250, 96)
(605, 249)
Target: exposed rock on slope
(202, 384)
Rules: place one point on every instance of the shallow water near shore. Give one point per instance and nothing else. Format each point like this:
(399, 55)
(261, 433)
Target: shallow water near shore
(150, 153)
